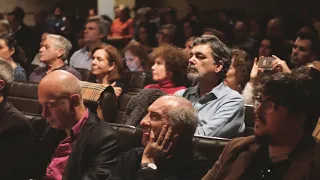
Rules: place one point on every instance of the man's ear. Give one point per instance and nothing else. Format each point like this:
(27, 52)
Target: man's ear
(60, 53)
(2, 84)
(74, 100)
(219, 66)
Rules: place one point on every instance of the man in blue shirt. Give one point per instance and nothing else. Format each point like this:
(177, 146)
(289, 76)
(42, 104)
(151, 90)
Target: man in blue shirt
(220, 109)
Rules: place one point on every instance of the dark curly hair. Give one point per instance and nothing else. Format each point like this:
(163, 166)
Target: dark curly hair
(298, 91)
(176, 61)
(242, 65)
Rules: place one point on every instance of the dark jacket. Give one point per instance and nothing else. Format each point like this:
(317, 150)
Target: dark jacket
(237, 155)
(93, 154)
(16, 143)
(187, 165)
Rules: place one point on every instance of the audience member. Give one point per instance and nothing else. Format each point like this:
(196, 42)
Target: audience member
(287, 110)
(239, 72)
(21, 32)
(167, 35)
(10, 53)
(16, 133)
(168, 130)
(220, 34)
(122, 27)
(136, 57)
(5, 27)
(188, 45)
(146, 35)
(106, 68)
(169, 69)
(53, 52)
(85, 147)
(96, 28)
(269, 46)
(220, 109)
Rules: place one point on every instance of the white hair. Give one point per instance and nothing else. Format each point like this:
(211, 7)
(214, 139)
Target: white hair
(61, 42)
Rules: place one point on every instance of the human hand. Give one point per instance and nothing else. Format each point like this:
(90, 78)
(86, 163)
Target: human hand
(117, 90)
(255, 73)
(279, 65)
(157, 148)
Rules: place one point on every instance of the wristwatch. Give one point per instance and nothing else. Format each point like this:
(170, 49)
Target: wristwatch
(146, 166)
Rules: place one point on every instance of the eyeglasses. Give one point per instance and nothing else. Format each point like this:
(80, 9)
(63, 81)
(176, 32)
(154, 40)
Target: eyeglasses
(265, 104)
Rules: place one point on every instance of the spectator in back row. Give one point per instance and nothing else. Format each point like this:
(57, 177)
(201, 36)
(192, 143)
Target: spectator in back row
(169, 69)
(106, 68)
(96, 28)
(167, 35)
(220, 109)
(136, 57)
(10, 52)
(53, 52)
(122, 27)
(287, 111)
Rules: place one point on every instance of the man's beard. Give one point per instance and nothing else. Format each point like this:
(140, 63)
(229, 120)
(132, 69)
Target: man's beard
(193, 74)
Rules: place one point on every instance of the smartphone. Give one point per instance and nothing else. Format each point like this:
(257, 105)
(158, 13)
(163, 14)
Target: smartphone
(265, 63)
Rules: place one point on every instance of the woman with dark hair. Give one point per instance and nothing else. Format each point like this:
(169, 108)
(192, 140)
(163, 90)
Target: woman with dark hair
(169, 69)
(269, 46)
(146, 35)
(136, 57)
(11, 53)
(106, 67)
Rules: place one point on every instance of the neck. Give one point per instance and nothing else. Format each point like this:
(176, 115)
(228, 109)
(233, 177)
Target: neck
(54, 65)
(93, 45)
(103, 79)
(282, 146)
(79, 113)
(206, 85)
(13, 64)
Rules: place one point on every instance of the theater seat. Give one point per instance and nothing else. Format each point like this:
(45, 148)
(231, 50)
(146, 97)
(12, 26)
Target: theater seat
(24, 97)
(249, 120)
(128, 136)
(85, 73)
(39, 125)
(122, 105)
(135, 81)
(211, 147)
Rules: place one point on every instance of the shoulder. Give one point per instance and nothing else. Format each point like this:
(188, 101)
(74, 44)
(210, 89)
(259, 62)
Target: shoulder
(149, 86)
(180, 92)
(74, 72)
(15, 119)
(231, 94)
(237, 144)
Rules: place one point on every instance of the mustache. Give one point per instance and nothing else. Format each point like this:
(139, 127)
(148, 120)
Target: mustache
(192, 68)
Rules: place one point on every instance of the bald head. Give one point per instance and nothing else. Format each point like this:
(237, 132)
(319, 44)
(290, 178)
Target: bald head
(180, 113)
(60, 83)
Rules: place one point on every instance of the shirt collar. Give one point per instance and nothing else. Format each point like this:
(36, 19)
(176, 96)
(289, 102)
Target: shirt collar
(217, 91)
(77, 127)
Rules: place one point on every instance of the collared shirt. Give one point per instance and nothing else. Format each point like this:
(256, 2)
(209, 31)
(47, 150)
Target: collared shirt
(41, 72)
(60, 157)
(81, 59)
(220, 112)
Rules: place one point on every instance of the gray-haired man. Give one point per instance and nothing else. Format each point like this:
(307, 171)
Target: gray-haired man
(53, 52)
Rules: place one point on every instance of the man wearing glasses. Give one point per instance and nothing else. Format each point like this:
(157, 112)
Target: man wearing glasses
(287, 110)
(85, 146)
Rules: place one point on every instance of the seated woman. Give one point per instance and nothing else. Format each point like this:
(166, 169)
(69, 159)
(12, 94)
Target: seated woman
(10, 52)
(239, 72)
(106, 67)
(136, 57)
(169, 69)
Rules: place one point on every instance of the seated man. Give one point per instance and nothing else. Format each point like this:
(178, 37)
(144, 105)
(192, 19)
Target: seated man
(53, 52)
(88, 146)
(287, 110)
(168, 130)
(220, 109)
(16, 134)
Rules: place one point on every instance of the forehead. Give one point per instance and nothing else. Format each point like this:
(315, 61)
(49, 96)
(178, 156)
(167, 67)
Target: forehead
(92, 24)
(202, 48)
(48, 40)
(159, 106)
(265, 41)
(303, 42)
(2, 42)
(100, 53)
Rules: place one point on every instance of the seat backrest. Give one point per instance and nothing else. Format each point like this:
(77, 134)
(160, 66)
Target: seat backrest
(128, 136)
(249, 120)
(210, 147)
(24, 97)
(135, 81)
(122, 105)
(85, 73)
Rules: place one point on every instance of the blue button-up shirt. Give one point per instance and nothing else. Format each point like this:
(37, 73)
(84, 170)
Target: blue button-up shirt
(81, 59)
(220, 112)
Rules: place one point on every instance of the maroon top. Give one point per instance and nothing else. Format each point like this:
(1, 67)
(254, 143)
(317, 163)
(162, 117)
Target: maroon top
(165, 86)
(60, 157)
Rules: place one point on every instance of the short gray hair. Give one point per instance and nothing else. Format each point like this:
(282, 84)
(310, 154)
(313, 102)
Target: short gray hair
(183, 116)
(61, 42)
(6, 27)
(220, 52)
(7, 75)
(104, 25)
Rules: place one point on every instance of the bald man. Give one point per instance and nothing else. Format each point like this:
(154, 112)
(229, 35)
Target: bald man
(168, 129)
(85, 147)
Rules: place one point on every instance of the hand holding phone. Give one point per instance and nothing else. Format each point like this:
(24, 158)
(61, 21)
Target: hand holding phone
(265, 63)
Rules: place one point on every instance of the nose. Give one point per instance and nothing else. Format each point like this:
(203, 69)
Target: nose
(45, 112)
(192, 60)
(295, 51)
(41, 49)
(153, 67)
(144, 123)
